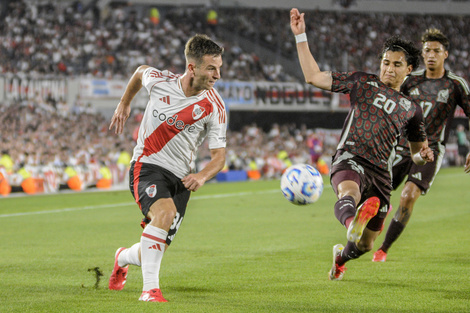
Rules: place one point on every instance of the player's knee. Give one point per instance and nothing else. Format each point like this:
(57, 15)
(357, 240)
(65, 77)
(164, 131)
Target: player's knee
(410, 194)
(163, 211)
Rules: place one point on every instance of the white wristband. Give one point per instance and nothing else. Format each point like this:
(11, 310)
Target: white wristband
(418, 157)
(300, 38)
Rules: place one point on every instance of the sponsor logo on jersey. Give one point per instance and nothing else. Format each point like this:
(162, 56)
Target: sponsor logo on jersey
(443, 95)
(405, 104)
(417, 176)
(414, 92)
(198, 112)
(151, 190)
(173, 120)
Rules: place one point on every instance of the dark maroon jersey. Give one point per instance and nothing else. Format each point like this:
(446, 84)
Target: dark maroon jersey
(438, 98)
(377, 115)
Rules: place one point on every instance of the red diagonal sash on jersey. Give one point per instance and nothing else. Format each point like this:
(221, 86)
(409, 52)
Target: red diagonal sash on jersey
(164, 133)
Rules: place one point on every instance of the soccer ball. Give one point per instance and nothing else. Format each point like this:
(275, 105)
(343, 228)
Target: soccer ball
(301, 184)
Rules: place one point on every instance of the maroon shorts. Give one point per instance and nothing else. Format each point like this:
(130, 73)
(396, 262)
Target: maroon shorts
(421, 175)
(372, 181)
(149, 182)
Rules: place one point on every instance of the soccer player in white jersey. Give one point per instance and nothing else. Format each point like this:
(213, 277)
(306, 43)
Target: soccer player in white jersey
(182, 110)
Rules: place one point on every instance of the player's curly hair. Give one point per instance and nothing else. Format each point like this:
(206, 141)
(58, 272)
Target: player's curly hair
(395, 43)
(200, 45)
(434, 34)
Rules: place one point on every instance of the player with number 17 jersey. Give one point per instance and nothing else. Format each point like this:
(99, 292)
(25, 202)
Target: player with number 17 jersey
(175, 125)
(377, 115)
(438, 99)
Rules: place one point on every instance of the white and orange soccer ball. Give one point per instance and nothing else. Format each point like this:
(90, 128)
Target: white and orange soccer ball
(301, 184)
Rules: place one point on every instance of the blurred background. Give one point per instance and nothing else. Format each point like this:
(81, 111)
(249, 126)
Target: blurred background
(64, 66)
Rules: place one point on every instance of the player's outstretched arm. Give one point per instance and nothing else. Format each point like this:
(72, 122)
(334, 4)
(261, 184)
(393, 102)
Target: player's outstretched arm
(195, 181)
(312, 73)
(123, 109)
(421, 153)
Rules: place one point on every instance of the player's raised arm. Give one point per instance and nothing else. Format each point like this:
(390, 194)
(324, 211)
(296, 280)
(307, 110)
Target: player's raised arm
(312, 73)
(123, 109)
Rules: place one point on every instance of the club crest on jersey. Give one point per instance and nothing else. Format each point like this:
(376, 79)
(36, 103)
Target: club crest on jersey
(405, 104)
(151, 190)
(443, 95)
(198, 112)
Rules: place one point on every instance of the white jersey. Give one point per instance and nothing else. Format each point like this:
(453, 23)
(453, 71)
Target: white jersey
(174, 125)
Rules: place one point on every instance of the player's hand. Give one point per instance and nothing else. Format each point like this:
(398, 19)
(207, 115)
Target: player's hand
(467, 164)
(193, 182)
(427, 154)
(297, 22)
(120, 116)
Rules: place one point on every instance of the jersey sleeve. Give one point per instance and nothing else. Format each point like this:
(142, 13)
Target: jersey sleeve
(150, 77)
(217, 127)
(405, 87)
(414, 130)
(463, 95)
(343, 82)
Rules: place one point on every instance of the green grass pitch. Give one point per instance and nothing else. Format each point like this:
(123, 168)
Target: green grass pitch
(241, 248)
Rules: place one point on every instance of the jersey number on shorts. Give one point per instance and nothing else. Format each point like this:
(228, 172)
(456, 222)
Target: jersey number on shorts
(176, 222)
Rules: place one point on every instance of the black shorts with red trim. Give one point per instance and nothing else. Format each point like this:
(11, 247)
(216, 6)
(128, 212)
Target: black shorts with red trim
(149, 182)
(372, 180)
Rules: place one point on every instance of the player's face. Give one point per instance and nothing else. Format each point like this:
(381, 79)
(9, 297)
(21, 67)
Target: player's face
(207, 73)
(394, 68)
(434, 55)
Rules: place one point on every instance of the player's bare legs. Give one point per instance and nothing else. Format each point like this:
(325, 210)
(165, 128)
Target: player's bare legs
(162, 213)
(409, 196)
(366, 243)
(349, 188)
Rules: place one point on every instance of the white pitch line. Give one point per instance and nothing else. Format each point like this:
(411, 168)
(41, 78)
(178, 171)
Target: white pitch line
(93, 207)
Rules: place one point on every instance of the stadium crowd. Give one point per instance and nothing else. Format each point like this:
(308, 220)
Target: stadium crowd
(71, 38)
(70, 147)
(56, 141)
(345, 41)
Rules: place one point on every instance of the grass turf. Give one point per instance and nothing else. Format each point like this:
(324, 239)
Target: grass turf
(241, 248)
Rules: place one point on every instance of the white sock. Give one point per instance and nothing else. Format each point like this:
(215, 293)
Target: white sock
(129, 256)
(152, 245)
